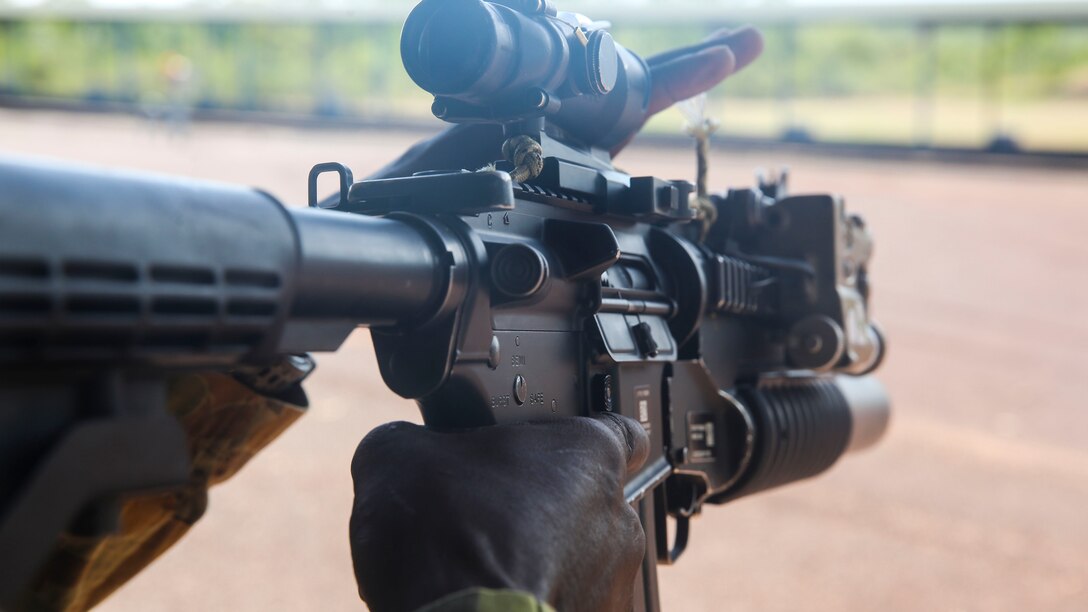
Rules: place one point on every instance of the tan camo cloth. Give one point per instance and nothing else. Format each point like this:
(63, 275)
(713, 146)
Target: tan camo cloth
(226, 424)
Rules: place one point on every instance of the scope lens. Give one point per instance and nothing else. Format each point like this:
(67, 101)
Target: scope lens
(455, 44)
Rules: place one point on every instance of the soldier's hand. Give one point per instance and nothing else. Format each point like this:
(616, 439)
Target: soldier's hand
(534, 507)
(689, 71)
(676, 75)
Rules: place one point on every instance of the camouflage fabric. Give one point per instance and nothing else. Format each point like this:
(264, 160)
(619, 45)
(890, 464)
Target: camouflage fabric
(226, 423)
(487, 600)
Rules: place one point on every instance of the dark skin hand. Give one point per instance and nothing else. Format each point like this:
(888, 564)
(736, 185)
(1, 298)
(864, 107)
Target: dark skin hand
(676, 75)
(534, 507)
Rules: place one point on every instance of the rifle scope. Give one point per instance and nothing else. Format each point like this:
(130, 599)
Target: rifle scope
(504, 62)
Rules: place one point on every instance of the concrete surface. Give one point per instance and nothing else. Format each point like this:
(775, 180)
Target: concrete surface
(977, 500)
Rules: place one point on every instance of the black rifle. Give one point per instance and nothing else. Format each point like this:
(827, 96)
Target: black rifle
(738, 336)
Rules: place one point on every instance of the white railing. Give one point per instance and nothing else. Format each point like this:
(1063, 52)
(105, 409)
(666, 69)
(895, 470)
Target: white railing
(630, 11)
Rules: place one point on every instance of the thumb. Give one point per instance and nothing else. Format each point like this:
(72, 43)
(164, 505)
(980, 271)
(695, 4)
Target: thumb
(629, 434)
(746, 44)
(689, 75)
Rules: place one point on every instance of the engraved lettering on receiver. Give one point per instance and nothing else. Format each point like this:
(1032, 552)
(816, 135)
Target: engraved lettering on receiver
(518, 361)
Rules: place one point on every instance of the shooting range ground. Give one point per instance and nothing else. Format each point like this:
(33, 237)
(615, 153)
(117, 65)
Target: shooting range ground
(976, 500)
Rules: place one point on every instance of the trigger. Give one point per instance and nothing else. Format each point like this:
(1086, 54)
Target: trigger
(667, 553)
(680, 541)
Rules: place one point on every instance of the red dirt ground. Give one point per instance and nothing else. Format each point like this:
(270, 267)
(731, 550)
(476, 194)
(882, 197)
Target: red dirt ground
(976, 500)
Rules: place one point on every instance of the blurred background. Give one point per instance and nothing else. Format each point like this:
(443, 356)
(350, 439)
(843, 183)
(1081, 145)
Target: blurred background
(958, 129)
(978, 74)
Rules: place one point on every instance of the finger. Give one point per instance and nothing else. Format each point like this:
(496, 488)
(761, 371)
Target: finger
(688, 76)
(746, 44)
(633, 439)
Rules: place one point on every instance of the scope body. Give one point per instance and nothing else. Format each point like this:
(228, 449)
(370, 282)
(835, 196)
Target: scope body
(510, 61)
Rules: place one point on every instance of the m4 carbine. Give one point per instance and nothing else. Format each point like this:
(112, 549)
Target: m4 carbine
(734, 327)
